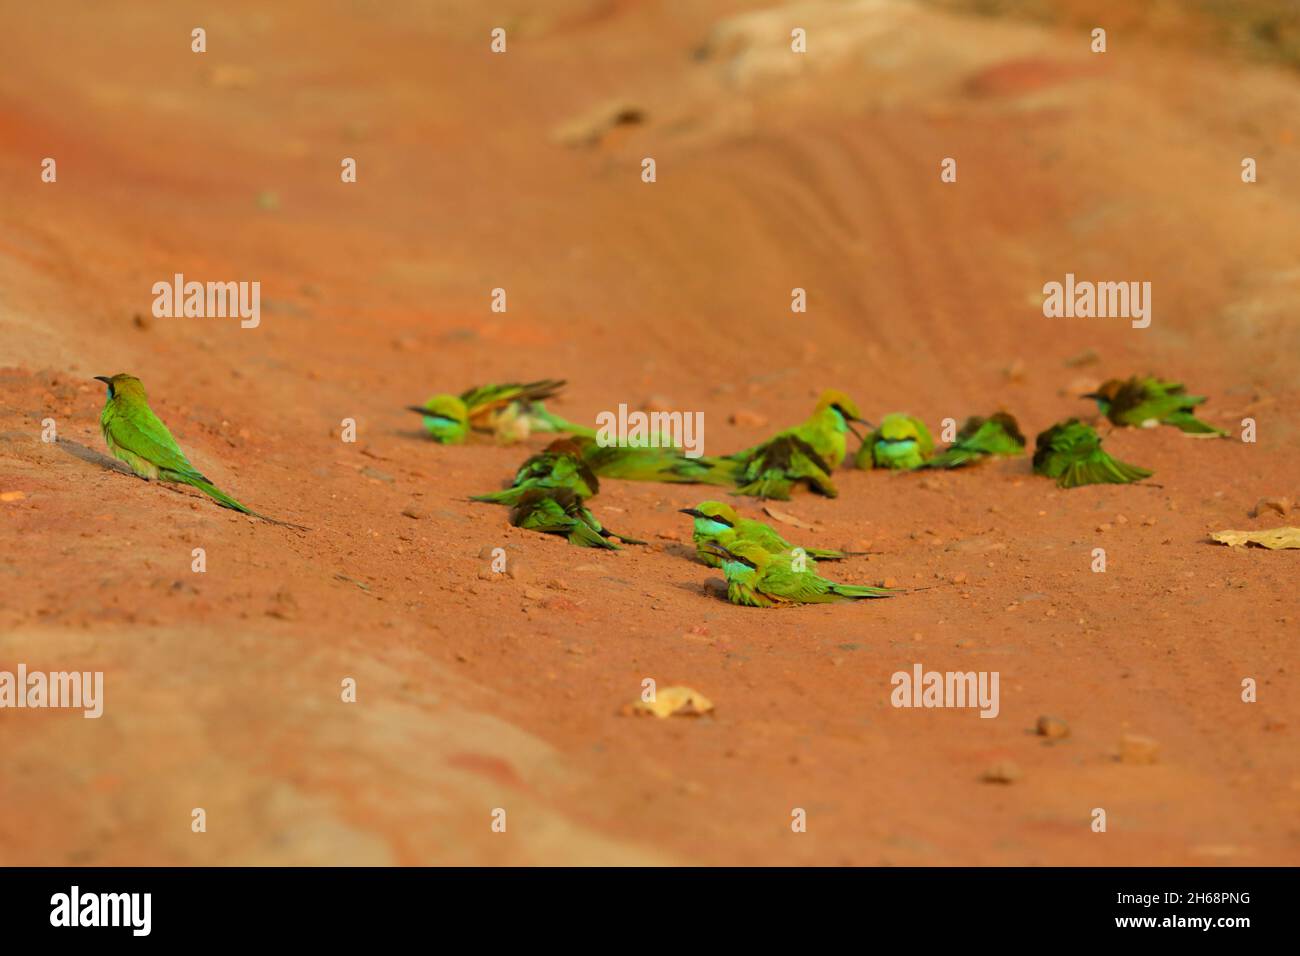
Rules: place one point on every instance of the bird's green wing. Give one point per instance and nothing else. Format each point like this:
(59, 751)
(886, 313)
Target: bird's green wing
(1187, 422)
(142, 433)
(763, 535)
(806, 587)
(537, 511)
(1098, 468)
(999, 434)
(483, 397)
(774, 467)
(738, 592)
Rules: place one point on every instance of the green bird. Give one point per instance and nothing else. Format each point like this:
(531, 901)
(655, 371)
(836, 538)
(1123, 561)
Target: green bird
(806, 453)
(901, 442)
(560, 511)
(717, 523)
(1148, 402)
(757, 578)
(559, 465)
(1070, 452)
(509, 412)
(138, 437)
(978, 438)
(654, 464)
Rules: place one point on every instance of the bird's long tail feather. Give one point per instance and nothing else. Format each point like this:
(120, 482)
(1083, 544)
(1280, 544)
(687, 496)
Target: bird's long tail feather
(827, 554)
(508, 496)
(584, 537)
(954, 458)
(862, 591)
(1188, 423)
(223, 499)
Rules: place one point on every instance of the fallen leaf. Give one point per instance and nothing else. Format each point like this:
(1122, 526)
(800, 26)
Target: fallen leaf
(675, 701)
(13, 496)
(1274, 538)
(789, 519)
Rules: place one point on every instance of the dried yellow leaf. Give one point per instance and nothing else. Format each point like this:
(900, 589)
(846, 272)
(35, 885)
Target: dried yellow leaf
(1274, 538)
(675, 701)
(786, 518)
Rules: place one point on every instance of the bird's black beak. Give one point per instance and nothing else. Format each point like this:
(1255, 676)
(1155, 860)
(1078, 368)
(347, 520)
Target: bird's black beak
(107, 380)
(692, 512)
(1092, 395)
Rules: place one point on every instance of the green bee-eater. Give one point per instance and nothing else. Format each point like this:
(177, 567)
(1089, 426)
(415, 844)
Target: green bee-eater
(560, 511)
(999, 434)
(901, 442)
(559, 465)
(138, 437)
(717, 523)
(1148, 402)
(1070, 452)
(510, 412)
(655, 464)
(806, 453)
(756, 578)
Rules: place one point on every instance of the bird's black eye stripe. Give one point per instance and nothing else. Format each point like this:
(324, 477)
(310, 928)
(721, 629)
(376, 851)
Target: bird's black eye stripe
(441, 418)
(720, 520)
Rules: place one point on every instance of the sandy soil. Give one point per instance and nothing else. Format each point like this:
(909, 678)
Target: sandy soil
(478, 691)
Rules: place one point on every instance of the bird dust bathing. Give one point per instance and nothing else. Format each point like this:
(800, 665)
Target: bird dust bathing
(356, 439)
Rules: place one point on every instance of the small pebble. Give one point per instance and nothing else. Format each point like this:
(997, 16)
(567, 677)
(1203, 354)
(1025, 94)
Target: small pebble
(1137, 749)
(1004, 771)
(1053, 727)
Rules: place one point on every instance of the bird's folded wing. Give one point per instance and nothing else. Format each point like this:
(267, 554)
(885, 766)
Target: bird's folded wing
(791, 584)
(493, 396)
(145, 435)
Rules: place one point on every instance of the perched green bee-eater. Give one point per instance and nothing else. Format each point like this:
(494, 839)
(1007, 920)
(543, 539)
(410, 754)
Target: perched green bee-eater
(510, 412)
(560, 511)
(1148, 402)
(138, 437)
(999, 434)
(717, 523)
(757, 578)
(559, 465)
(1070, 452)
(901, 442)
(806, 453)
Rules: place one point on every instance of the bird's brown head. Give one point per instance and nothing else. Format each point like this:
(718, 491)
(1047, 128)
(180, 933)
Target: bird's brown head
(1107, 391)
(122, 384)
(565, 446)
